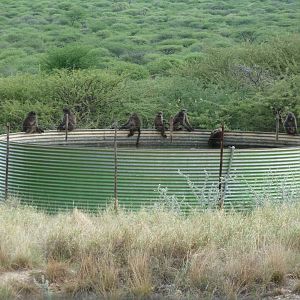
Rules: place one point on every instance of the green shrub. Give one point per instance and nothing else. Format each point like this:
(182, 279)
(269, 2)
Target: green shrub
(132, 71)
(120, 6)
(75, 15)
(162, 66)
(71, 57)
(94, 96)
(170, 49)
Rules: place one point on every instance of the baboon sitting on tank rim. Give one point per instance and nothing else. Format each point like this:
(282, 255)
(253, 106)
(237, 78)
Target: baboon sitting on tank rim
(181, 121)
(290, 124)
(215, 137)
(71, 121)
(133, 124)
(30, 124)
(159, 124)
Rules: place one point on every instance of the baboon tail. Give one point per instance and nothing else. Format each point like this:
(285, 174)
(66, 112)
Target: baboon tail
(188, 127)
(163, 133)
(138, 138)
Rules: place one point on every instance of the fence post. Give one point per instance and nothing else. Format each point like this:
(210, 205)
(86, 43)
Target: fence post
(277, 126)
(7, 161)
(171, 129)
(232, 148)
(221, 196)
(67, 127)
(116, 202)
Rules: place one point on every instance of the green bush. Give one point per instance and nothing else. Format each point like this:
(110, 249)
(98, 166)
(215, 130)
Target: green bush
(75, 14)
(120, 6)
(94, 96)
(128, 70)
(71, 57)
(170, 49)
(162, 66)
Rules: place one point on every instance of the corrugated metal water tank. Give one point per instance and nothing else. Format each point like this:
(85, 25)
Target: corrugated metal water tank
(52, 174)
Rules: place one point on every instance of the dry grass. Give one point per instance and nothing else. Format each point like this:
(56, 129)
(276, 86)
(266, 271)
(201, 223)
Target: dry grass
(25, 290)
(296, 288)
(7, 293)
(57, 271)
(146, 254)
(140, 275)
(18, 285)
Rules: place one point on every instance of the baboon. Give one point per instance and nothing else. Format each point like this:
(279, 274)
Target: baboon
(159, 124)
(290, 124)
(215, 137)
(181, 121)
(30, 124)
(133, 124)
(71, 122)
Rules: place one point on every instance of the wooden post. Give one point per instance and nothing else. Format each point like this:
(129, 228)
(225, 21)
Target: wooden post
(232, 148)
(7, 161)
(171, 128)
(67, 127)
(221, 196)
(277, 125)
(116, 202)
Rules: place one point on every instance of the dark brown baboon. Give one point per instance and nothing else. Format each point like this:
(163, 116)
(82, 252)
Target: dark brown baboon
(181, 121)
(133, 124)
(30, 124)
(71, 122)
(215, 137)
(290, 124)
(159, 124)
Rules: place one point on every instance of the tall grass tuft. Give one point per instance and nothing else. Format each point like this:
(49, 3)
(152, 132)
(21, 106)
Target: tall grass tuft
(152, 253)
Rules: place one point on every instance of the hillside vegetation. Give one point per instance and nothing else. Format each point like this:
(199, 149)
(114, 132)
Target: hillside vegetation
(146, 33)
(222, 60)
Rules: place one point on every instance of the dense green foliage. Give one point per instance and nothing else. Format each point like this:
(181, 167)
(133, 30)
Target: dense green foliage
(237, 85)
(223, 61)
(136, 31)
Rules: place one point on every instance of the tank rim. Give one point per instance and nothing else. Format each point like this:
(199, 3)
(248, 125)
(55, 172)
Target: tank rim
(151, 140)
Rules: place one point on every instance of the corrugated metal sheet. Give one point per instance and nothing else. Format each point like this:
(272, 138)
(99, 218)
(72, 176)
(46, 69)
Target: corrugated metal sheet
(48, 175)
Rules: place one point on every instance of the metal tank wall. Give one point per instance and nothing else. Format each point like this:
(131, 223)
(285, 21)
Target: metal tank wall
(46, 173)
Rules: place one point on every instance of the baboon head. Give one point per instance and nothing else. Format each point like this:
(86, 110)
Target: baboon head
(32, 114)
(183, 112)
(290, 116)
(66, 111)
